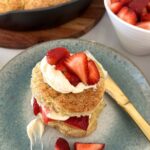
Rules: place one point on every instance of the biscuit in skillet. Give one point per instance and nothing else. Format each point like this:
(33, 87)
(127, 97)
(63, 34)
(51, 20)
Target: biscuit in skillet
(32, 4)
(11, 5)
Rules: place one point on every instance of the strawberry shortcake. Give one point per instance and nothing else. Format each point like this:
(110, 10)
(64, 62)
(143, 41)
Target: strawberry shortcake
(68, 91)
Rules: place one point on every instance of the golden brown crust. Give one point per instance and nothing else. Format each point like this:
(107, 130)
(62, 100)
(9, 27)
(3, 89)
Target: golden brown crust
(72, 131)
(32, 4)
(10, 5)
(69, 104)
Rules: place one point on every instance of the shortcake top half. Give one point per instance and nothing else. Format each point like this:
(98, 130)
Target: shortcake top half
(69, 84)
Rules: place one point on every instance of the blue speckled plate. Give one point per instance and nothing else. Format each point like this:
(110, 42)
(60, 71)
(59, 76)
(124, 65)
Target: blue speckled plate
(115, 128)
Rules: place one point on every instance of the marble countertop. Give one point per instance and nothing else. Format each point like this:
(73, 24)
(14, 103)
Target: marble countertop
(103, 33)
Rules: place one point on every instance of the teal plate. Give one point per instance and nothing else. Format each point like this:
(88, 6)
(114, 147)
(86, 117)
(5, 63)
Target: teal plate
(115, 127)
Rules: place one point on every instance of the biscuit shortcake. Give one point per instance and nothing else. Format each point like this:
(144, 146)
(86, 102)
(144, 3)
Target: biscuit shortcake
(68, 91)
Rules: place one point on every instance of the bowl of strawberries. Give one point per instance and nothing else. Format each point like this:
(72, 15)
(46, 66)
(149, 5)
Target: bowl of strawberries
(131, 20)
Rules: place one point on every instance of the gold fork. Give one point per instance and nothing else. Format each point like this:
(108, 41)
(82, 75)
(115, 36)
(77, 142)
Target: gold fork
(117, 94)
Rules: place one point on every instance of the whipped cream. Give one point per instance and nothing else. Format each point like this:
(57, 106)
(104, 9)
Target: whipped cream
(35, 129)
(58, 81)
(51, 113)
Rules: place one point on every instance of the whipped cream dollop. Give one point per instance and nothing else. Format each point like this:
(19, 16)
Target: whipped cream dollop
(58, 81)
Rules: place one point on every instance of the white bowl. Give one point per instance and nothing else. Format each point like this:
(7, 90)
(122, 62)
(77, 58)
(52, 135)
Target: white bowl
(134, 39)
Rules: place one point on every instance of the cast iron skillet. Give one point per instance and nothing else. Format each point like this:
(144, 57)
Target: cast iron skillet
(43, 17)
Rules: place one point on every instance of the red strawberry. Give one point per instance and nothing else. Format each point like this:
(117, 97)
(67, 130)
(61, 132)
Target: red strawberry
(36, 107)
(61, 144)
(123, 12)
(115, 7)
(144, 25)
(88, 146)
(73, 79)
(148, 6)
(144, 11)
(44, 117)
(61, 66)
(145, 17)
(94, 75)
(128, 15)
(114, 1)
(79, 122)
(56, 54)
(77, 63)
(138, 5)
(125, 2)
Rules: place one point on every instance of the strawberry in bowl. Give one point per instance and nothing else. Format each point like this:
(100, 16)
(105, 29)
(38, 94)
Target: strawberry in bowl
(135, 12)
(131, 20)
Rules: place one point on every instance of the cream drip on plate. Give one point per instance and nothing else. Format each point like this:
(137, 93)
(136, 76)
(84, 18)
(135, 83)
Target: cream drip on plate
(59, 82)
(35, 130)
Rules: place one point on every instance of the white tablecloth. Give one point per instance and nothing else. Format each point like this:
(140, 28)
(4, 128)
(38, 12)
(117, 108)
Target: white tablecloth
(103, 33)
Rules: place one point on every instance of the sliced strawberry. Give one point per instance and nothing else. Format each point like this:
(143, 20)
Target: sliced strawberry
(148, 6)
(144, 11)
(115, 7)
(44, 117)
(128, 15)
(114, 1)
(145, 17)
(88, 146)
(79, 122)
(125, 2)
(138, 5)
(61, 144)
(122, 13)
(77, 63)
(56, 54)
(36, 107)
(61, 66)
(73, 79)
(144, 25)
(94, 75)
